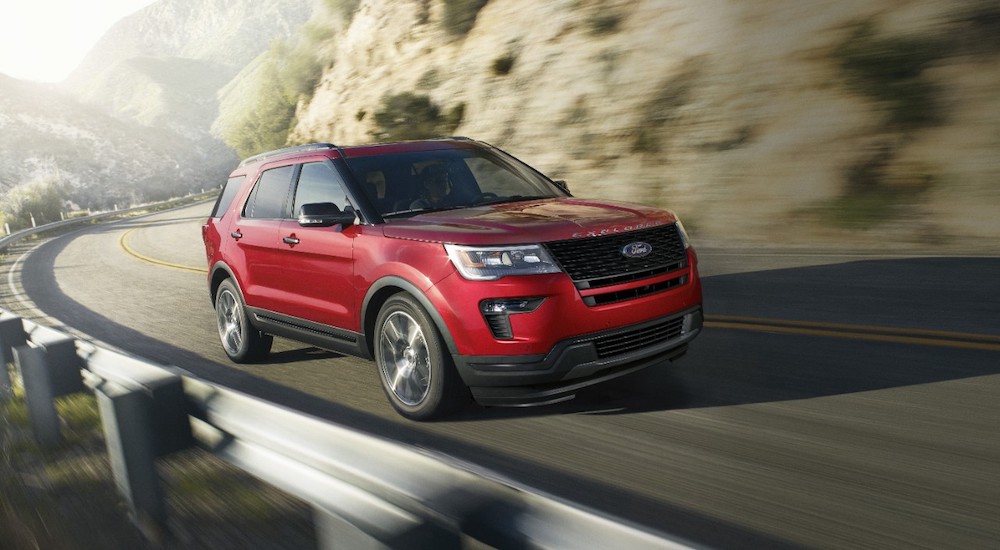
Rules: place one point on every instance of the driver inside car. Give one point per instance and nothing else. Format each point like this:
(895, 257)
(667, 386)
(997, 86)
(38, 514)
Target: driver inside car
(436, 187)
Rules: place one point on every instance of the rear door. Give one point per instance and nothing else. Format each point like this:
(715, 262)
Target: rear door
(257, 252)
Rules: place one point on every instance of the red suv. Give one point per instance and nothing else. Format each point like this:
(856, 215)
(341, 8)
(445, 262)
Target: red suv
(453, 265)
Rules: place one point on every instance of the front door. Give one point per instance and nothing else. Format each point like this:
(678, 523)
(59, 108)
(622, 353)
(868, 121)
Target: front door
(318, 261)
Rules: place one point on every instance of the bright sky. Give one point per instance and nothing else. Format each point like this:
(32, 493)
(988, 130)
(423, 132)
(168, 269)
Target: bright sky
(45, 40)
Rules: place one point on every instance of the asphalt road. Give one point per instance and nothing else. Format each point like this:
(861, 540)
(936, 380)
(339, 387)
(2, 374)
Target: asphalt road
(832, 401)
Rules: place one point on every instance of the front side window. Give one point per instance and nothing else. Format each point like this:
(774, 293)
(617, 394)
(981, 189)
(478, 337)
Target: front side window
(318, 182)
(270, 194)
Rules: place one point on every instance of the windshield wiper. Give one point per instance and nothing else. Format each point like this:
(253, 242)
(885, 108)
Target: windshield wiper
(517, 198)
(401, 213)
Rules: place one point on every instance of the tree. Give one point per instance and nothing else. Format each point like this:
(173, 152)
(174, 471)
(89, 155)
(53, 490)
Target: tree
(41, 199)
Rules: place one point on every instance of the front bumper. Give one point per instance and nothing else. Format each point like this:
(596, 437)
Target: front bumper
(577, 362)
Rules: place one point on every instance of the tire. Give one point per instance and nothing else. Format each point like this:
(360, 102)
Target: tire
(414, 365)
(241, 341)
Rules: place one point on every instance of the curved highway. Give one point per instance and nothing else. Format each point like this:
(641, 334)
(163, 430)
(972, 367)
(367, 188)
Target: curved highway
(832, 401)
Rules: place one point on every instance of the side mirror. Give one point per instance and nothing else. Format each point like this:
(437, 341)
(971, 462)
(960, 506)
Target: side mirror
(561, 184)
(324, 214)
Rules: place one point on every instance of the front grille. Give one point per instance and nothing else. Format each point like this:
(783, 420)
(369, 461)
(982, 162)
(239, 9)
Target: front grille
(598, 261)
(637, 339)
(633, 293)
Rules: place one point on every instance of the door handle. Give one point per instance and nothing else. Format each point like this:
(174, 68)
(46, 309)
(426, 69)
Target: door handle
(236, 235)
(292, 240)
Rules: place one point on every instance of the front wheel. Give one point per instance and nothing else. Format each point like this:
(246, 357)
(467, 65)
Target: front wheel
(243, 343)
(413, 363)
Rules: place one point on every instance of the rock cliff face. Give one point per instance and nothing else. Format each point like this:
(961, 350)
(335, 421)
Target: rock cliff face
(772, 120)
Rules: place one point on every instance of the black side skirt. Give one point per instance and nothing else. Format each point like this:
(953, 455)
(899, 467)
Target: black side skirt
(316, 334)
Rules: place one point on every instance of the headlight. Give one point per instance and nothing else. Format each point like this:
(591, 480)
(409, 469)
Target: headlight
(684, 235)
(491, 263)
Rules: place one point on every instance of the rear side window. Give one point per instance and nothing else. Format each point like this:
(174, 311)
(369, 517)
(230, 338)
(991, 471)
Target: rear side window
(318, 182)
(229, 190)
(269, 196)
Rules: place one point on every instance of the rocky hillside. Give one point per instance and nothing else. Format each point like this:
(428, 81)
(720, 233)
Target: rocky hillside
(852, 122)
(102, 161)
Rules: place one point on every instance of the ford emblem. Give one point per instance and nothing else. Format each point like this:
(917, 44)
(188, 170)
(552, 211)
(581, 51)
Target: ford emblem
(637, 250)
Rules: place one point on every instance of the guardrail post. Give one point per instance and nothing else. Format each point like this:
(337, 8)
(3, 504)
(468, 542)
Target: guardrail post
(48, 372)
(11, 335)
(38, 394)
(127, 418)
(6, 388)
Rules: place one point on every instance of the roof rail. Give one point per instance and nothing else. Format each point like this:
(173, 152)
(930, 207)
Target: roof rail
(459, 138)
(285, 150)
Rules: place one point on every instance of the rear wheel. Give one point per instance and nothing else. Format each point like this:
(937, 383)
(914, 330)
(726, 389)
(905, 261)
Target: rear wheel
(242, 342)
(414, 365)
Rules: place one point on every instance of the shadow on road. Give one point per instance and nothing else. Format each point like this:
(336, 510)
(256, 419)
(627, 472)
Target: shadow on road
(731, 367)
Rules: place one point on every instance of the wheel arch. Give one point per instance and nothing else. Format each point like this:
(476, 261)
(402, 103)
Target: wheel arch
(385, 288)
(221, 272)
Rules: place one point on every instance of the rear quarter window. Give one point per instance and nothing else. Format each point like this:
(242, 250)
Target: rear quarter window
(270, 196)
(229, 191)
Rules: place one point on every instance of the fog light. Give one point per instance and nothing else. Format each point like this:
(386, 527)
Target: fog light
(497, 313)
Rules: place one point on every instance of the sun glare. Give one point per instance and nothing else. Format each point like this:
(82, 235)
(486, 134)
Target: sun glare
(45, 40)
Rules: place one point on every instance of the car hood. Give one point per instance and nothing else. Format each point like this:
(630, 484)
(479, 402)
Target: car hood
(528, 221)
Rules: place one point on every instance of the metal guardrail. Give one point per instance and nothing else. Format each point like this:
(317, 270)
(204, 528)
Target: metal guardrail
(23, 233)
(364, 490)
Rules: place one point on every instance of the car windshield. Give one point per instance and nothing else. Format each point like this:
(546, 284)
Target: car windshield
(410, 183)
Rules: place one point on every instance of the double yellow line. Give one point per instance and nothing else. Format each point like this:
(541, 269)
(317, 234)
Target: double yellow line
(123, 242)
(964, 340)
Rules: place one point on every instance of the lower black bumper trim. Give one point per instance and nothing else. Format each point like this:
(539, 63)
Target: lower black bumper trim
(572, 364)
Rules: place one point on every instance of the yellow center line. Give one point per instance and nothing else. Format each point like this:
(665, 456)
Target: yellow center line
(965, 340)
(123, 242)
(859, 332)
(865, 328)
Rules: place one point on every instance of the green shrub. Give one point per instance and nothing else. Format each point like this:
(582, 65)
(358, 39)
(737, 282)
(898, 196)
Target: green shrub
(41, 198)
(663, 109)
(453, 118)
(876, 190)
(407, 116)
(343, 8)
(429, 80)
(265, 123)
(889, 70)
(603, 23)
(503, 64)
(460, 16)
(288, 75)
(978, 28)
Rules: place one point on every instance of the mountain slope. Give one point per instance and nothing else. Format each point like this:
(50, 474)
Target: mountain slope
(164, 65)
(133, 122)
(103, 161)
